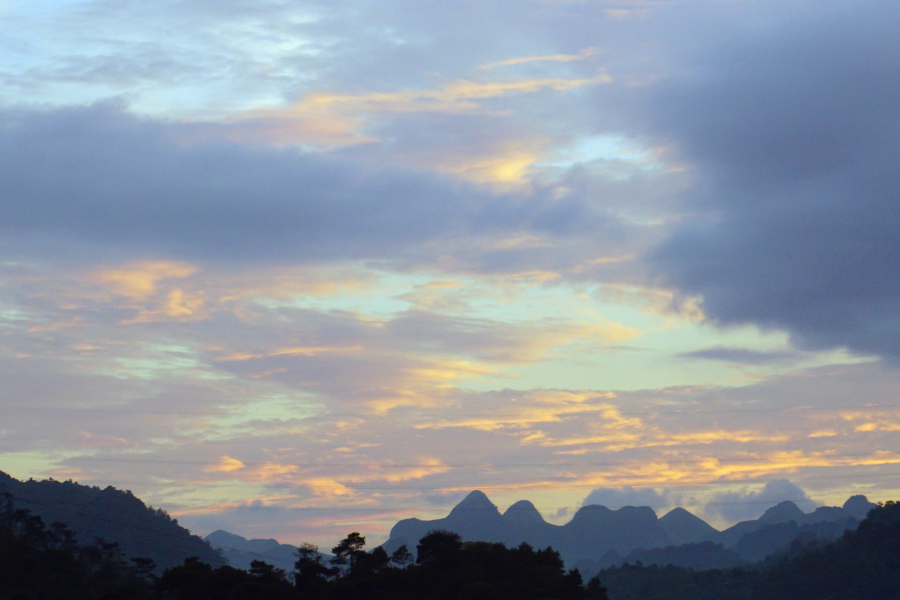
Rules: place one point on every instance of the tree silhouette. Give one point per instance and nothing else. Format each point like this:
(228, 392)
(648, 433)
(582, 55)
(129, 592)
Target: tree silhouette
(440, 546)
(595, 590)
(145, 567)
(402, 556)
(348, 550)
(310, 573)
(266, 572)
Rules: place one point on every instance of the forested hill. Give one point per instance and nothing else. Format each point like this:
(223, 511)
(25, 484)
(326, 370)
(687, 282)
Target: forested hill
(862, 565)
(111, 514)
(40, 562)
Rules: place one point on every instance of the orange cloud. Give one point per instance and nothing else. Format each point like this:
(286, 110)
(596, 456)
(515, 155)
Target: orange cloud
(181, 304)
(292, 351)
(878, 426)
(335, 119)
(324, 486)
(226, 464)
(541, 407)
(653, 300)
(585, 53)
(57, 325)
(139, 280)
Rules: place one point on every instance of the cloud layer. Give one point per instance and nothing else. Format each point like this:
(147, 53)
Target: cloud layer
(795, 136)
(303, 268)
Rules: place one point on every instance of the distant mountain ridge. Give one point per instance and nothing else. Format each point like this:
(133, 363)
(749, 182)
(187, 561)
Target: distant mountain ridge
(240, 552)
(114, 515)
(597, 537)
(684, 527)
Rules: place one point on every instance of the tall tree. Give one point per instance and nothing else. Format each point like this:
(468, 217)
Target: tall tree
(402, 556)
(348, 550)
(310, 573)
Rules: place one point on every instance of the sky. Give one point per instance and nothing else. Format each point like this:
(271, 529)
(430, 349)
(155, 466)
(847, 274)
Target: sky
(295, 269)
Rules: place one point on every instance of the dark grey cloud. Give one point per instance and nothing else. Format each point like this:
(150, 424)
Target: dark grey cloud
(794, 131)
(739, 355)
(97, 179)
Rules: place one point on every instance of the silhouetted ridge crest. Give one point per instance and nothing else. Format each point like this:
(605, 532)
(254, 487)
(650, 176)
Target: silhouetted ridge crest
(597, 537)
(859, 507)
(241, 552)
(590, 512)
(783, 512)
(684, 527)
(523, 512)
(476, 501)
(113, 515)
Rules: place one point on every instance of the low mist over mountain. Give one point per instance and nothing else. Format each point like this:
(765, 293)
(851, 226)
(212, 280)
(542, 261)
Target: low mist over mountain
(598, 537)
(113, 515)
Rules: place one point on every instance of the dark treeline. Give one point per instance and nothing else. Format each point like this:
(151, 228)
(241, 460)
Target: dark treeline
(446, 568)
(862, 565)
(45, 562)
(111, 514)
(41, 562)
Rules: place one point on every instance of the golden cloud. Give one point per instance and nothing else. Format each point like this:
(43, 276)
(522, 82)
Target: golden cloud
(541, 407)
(57, 325)
(333, 120)
(225, 464)
(139, 280)
(583, 54)
(181, 304)
(292, 351)
(653, 300)
(294, 282)
(878, 426)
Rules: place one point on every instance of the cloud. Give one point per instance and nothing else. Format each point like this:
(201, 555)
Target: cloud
(739, 355)
(583, 54)
(453, 97)
(792, 137)
(178, 423)
(84, 180)
(182, 286)
(560, 513)
(225, 464)
(616, 498)
(749, 504)
(139, 280)
(111, 179)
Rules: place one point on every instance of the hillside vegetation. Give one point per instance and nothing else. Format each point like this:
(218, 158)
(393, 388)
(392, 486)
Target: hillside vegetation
(46, 562)
(112, 515)
(862, 565)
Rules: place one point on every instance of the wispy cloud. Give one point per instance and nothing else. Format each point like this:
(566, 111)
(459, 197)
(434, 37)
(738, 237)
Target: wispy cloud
(740, 355)
(581, 55)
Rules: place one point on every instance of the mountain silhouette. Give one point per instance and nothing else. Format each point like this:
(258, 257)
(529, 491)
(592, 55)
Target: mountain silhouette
(593, 528)
(598, 537)
(113, 515)
(685, 528)
(786, 512)
(597, 529)
(782, 513)
(700, 556)
(240, 552)
(858, 507)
